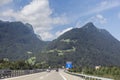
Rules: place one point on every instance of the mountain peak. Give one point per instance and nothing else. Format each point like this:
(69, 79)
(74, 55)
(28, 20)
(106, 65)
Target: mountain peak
(89, 25)
(88, 41)
(17, 38)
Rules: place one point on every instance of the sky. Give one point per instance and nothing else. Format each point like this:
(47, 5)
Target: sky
(52, 18)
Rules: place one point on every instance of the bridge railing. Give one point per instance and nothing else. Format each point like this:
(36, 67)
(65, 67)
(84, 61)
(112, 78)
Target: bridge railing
(87, 77)
(14, 73)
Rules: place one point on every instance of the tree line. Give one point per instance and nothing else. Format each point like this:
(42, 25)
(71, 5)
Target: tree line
(108, 72)
(22, 64)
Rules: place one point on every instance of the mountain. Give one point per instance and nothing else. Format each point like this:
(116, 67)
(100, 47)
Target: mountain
(17, 39)
(85, 46)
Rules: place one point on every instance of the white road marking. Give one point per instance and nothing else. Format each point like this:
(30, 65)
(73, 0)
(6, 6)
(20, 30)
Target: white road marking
(41, 77)
(47, 75)
(62, 76)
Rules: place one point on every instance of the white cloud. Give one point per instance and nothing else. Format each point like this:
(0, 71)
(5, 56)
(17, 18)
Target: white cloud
(106, 5)
(103, 6)
(3, 2)
(47, 35)
(38, 13)
(97, 19)
(100, 19)
(78, 24)
(63, 31)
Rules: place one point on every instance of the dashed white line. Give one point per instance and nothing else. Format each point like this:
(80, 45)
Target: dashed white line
(63, 76)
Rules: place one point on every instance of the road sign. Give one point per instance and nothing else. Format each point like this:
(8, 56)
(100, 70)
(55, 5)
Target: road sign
(68, 64)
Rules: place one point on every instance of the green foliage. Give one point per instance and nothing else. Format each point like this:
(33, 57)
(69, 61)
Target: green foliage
(4, 64)
(16, 39)
(85, 46)
(76, 69)
(68, 41)
(62, 51)
(60, 54)
(31, 61)
(6, 59)
(22, 64)
(108, 72)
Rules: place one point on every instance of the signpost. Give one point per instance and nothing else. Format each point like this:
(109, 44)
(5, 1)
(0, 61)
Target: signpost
(68, 64)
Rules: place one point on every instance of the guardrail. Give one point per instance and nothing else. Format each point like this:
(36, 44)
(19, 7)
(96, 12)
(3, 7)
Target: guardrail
(14, 73)
(88, 77)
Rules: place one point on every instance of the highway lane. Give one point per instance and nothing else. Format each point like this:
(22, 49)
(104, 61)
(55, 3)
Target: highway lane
(53, 75)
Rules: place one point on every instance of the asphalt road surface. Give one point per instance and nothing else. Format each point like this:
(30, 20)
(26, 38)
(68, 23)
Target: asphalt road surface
(53, 75)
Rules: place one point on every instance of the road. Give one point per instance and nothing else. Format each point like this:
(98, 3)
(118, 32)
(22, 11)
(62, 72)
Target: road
(53, 75)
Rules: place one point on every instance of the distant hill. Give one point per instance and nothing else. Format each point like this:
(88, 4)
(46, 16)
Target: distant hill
(84, 46)
(16, 39)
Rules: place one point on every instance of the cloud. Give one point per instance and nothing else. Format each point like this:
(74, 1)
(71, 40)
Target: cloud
(106, 5)
(103, 6)
(98, 18)
(78, 24)
(3, 2)
(47, 35)
(63, 31)
(38, 13)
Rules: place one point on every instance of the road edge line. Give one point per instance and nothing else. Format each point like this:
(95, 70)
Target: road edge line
(62, 76)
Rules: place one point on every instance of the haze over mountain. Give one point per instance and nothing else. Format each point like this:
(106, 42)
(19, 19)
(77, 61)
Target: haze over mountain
(16, 39)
